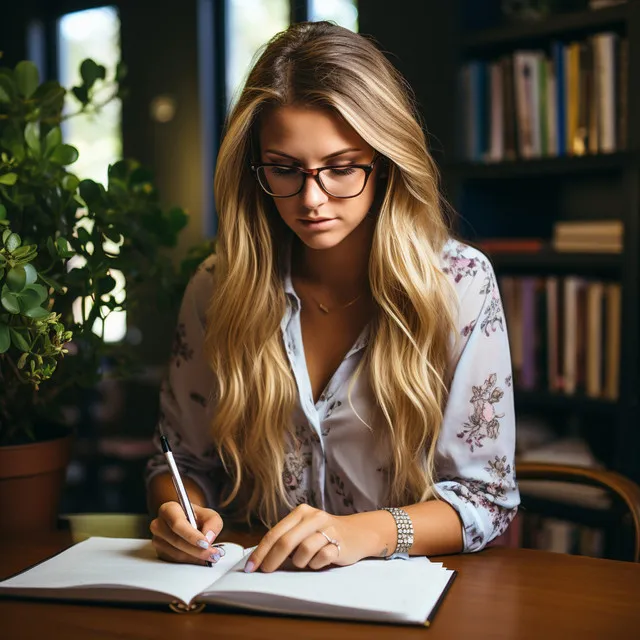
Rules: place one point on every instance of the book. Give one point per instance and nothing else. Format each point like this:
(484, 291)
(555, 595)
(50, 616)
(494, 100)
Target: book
(126, 570)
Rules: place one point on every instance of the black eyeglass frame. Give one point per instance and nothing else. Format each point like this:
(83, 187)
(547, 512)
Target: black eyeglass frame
(315, 173)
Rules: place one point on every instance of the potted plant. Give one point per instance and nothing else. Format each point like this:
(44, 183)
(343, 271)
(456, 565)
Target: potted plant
(63, 240)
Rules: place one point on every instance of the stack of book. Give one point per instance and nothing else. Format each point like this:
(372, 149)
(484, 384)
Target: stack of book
(589, 236)
(564, 334)
(569, 100)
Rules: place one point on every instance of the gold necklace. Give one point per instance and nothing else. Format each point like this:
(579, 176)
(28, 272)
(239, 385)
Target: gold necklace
(326, 309)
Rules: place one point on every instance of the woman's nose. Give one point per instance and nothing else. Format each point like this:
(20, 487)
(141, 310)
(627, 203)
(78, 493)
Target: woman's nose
(312, 194)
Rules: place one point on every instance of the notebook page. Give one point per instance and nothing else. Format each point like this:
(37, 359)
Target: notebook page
(402, 590)
(121, 562)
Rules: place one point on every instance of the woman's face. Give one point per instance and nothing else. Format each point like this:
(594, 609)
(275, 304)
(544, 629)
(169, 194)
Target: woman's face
(311, 138)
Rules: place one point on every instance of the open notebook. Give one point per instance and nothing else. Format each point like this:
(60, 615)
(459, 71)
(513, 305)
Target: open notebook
(127, 570)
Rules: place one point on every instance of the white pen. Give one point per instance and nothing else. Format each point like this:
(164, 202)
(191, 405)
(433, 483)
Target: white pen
(178, 484)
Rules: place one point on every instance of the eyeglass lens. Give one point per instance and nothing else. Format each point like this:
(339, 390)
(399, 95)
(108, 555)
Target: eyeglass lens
(287, 181)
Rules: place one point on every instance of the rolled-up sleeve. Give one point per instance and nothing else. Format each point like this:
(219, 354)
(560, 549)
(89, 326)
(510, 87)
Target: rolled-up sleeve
(185, 396)
(476, 446)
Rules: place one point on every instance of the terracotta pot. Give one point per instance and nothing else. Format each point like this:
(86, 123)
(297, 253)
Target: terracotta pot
(31, 481)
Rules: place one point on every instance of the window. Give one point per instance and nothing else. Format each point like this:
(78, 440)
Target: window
(95, 34)
(250, 24)
(342, 12)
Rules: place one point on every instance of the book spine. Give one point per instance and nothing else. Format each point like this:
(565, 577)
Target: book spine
(557, 49)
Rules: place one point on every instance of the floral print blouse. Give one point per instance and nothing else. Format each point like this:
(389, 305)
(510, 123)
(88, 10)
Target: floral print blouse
(333, 462)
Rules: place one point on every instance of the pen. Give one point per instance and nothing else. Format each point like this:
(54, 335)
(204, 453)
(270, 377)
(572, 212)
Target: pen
(178, 484)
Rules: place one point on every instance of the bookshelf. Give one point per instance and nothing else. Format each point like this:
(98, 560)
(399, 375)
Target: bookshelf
(544, 167)
(570, 24)
(524, 198)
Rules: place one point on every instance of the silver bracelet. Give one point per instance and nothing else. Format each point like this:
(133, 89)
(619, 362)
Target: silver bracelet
(405, 529)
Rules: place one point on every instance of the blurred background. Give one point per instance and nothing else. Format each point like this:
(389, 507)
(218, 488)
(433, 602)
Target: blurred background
(532, 116)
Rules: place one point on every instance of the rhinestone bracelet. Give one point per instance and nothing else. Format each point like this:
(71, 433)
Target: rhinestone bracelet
(405, 529)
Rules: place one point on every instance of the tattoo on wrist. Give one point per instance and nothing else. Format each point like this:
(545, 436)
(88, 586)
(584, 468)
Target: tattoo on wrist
(384, 552)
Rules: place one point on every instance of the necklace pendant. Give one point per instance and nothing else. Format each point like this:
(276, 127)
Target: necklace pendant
(323, 308)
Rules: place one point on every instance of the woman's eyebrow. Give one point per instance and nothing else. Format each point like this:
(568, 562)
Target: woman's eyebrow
(331, 155)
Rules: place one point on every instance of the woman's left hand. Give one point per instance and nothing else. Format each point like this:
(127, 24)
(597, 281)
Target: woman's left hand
(297, 535)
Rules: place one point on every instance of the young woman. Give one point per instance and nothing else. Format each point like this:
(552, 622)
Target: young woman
(341, 369)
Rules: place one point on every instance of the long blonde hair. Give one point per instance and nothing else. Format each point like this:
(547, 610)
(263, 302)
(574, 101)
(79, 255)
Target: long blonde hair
(321, 64)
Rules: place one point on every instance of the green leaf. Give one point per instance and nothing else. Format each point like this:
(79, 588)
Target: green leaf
(64, 250)
(22, 361)
(27, 78)
(51, 248)
(38, 313)
(56, 286)
(9, 179)
(32, 136)
(5, 338)
(13, 241)
(12, 139)
(8, 86)
(81, 93)
(9, 301)
(70, 183)
(91, 192)
(18, 340)
(5, 234)
(106, 285)
(64, 154)
(28, 299)
(37, 293)
(4, 97)
(16, 279)
(52, 140)
(3, 212)
(83, 235)
(90, 72)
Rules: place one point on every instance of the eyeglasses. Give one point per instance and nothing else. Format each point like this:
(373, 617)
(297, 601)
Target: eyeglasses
(342, 181)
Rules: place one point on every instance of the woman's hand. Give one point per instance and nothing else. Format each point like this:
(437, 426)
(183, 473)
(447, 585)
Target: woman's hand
(176, 540)
(297, 535)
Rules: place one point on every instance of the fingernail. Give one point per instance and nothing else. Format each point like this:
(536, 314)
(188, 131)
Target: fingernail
(203, 544)
(210, 535)
(221, 551)
(248, 568)
(214, 557)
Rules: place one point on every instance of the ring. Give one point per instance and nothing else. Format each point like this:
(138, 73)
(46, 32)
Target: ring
(331, 540)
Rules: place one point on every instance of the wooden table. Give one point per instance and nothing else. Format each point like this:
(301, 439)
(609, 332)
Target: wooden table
(499, 593)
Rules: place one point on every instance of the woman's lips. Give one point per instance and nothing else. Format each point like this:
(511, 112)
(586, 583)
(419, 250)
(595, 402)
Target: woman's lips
(320, 223)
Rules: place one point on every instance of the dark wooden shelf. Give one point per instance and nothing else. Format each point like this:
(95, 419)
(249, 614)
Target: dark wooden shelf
(547, 400)
(561, 25)
(540, 167)
(558, 263)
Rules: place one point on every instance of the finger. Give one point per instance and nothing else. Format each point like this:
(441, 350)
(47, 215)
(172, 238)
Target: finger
(161, 529)
(169, 553)
(327, 555)
(209, 522)
(172, 514)
(272, 538)
(288, 542)
(307, 549)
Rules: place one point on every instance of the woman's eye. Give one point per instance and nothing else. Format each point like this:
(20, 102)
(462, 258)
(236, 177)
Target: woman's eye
(347, 171)
(283, 171)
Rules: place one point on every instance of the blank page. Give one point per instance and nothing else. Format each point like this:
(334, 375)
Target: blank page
(120, 562)
(401, 590)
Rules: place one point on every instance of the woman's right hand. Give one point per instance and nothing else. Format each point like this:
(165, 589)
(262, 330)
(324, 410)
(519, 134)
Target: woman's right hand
(175, 540)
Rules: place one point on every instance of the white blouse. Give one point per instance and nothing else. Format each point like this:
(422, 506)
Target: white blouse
(333, 462)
